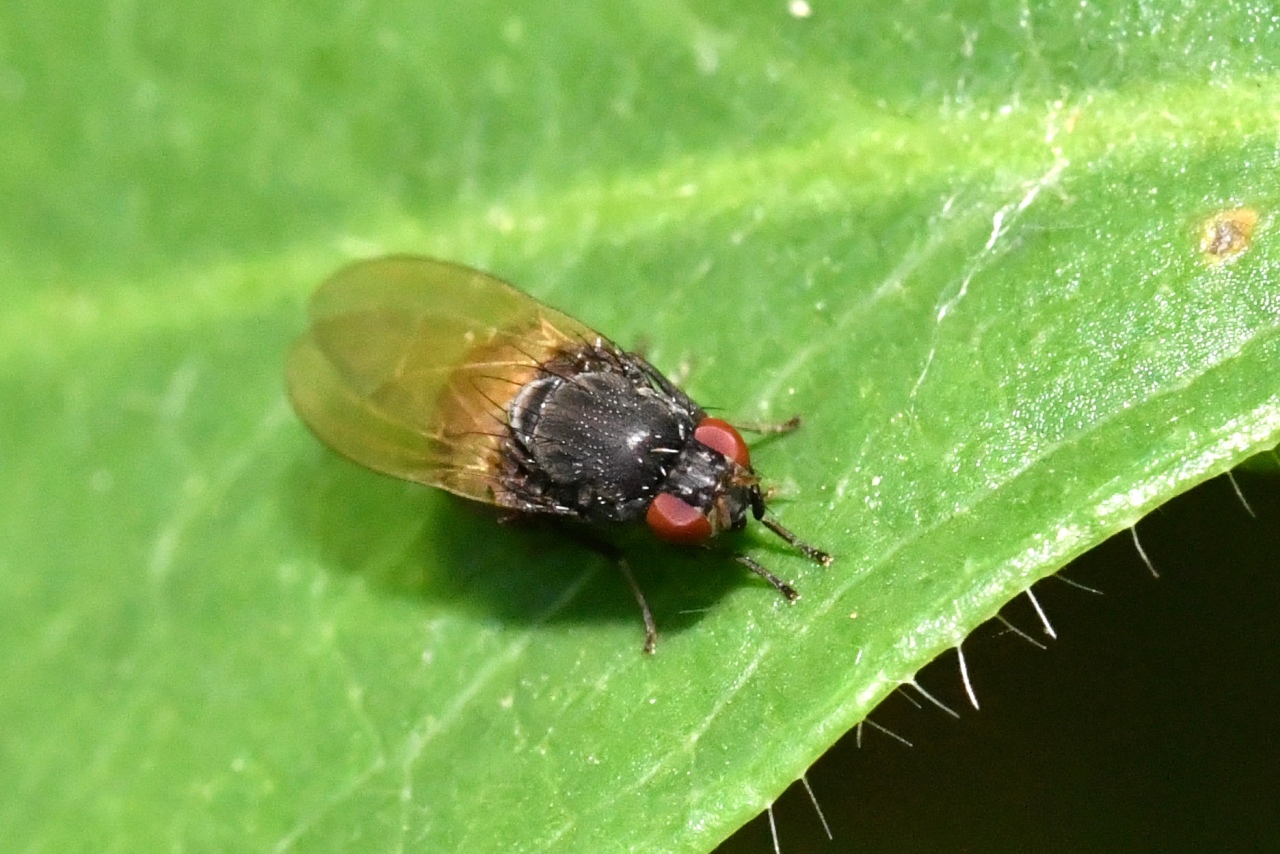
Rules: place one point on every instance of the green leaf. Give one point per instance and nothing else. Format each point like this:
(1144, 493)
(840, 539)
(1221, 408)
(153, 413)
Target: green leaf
(963, 242)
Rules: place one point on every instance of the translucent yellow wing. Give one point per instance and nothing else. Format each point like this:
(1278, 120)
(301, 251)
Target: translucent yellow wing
(409, 364)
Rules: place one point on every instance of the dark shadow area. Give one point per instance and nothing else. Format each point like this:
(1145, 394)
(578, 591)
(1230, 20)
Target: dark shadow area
(1148, 725)
(420, 543)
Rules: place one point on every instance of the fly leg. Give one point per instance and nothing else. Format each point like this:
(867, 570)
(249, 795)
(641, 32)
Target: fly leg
(613, 553)
(769, 428)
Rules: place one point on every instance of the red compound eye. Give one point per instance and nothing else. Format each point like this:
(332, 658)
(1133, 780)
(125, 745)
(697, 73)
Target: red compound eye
(676, 521)
(720, 436)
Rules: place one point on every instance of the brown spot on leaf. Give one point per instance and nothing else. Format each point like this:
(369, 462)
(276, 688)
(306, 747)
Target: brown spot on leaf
(1226, 235)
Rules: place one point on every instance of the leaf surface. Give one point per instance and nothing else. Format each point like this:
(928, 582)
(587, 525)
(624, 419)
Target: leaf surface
(965, 243)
